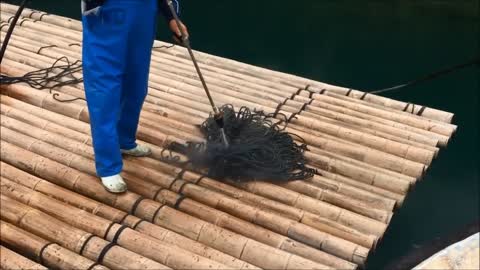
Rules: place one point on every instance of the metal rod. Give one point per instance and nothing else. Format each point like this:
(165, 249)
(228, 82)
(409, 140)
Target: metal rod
(10, 29)
(186, 43)
(218, 116)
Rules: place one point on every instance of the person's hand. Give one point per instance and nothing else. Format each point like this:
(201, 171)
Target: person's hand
(176, 30)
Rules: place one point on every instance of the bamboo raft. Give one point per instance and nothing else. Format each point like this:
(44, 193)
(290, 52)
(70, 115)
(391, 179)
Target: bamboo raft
(369, 151)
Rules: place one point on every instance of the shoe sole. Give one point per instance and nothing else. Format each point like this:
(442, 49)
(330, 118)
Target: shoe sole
(114, 192)
(138, 155)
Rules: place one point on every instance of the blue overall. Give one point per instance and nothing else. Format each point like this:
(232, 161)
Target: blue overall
(117, 43)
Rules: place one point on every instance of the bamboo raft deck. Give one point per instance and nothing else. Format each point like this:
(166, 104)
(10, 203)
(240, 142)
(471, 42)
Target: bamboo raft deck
(369, 151)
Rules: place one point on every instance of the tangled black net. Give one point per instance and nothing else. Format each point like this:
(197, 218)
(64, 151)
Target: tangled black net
(57, 75)
(259, 149)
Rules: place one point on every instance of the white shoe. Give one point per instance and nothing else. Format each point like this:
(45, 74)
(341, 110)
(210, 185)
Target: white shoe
(114, 184)
(139, 151)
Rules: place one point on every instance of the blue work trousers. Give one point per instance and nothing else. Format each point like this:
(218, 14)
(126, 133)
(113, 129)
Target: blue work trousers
(117, 44)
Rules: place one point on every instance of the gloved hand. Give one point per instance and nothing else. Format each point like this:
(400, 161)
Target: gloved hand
(177, 34)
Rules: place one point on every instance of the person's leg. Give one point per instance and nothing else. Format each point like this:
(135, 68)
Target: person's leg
(136, 78)
(105, 48)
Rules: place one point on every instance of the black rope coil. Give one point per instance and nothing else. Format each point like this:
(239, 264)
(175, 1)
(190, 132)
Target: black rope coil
(259, 148)
(57, 75)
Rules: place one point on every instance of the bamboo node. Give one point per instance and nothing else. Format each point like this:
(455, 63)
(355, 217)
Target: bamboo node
(93, 265)
(104, 251)
(156, 213)
(180, 198)
(134, 207)
(40, 254)
(82, 248)
(138, 223)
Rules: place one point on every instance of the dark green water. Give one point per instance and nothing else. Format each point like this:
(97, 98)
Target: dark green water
(364, 45)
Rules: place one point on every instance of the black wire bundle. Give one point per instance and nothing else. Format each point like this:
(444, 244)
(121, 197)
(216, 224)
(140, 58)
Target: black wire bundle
(56, 75)
(258, 149)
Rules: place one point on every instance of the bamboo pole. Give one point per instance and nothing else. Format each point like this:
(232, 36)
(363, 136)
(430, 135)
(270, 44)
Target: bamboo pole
(432, 113)
(33, 120)
(189, 82)
(315, 221)
(127, 237)
(412, 152)
(162, 215)
(43, 16)
(242, 68)
(74, 113)
(226, 88)
(258, 187)
(389, 103)
(102, 210)
(401, 119)
(64, 52)
(406, 117)
(41, 123)
(296, 199)
(85, 117)
(19, 30)
(59, 22)
(281, 98)
(372, 156)
(50, 116)
(42, 27)
(139, 243)
(304, 202)
(423, 158)
(359, 171)
(228, 205)
(46, 49)
(368, 155)
(45, 38)
(70, 237)
(85, 138)
(183, 68)
(116, 215)
(301, 82)
(413, 124)
(365, 176)
(320, 180)
(80, 149)
(305, 217)
(193, 208)
(424, 153)
(325, 187)
(10, 260)
(80, 94)
(374, 128)
(157, 154)
(172, 63)
(415, 155)
(50, 254)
